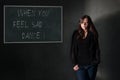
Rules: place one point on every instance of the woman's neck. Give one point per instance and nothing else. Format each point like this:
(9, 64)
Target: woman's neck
(85, 30)
(85, 33)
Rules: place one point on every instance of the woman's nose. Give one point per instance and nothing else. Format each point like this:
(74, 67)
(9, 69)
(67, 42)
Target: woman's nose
(84, 23)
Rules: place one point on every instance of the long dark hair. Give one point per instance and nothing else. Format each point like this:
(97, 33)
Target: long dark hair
(90, 27)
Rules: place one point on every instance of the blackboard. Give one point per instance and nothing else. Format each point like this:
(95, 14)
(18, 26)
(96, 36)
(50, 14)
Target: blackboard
(33, 24)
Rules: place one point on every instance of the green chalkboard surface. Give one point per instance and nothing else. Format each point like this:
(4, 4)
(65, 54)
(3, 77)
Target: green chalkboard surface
(32, 24)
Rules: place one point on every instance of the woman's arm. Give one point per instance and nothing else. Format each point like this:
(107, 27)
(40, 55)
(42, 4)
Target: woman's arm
(95, 49)
(74, 49)
(97, 52)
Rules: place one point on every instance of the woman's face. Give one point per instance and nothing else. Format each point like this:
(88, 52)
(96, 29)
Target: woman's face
(84, 23)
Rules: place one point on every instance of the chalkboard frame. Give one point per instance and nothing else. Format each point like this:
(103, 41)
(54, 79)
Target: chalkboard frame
(5, 42)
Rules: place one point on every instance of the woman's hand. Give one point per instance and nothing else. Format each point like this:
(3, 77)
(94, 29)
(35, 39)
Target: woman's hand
(75, 68)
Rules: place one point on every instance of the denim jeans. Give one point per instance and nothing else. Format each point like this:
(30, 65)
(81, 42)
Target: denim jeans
(87, 72)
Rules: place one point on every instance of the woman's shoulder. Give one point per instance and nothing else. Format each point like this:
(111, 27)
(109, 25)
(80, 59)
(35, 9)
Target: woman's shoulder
(75, 32)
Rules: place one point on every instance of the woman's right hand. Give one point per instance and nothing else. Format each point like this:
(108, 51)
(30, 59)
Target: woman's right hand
(75, 68)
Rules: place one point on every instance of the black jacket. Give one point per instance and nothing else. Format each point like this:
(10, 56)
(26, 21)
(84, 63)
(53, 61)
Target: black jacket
(85, 51)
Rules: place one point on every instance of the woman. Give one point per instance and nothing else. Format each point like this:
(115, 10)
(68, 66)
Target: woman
(85, 50)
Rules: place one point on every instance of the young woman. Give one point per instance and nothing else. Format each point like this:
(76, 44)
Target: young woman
(85, 49)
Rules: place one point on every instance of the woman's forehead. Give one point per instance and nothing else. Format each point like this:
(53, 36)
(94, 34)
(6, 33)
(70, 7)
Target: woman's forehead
(84, 20)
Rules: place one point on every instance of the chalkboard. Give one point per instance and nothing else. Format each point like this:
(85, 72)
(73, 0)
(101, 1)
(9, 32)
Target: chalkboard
(33, 24)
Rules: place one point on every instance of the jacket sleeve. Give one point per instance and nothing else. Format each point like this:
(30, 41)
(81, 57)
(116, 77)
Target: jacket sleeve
(73, 49)
(96, 50)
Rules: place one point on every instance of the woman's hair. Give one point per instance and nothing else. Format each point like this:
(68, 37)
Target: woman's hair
(90, 27)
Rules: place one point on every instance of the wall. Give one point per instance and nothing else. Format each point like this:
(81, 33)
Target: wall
(52, 61)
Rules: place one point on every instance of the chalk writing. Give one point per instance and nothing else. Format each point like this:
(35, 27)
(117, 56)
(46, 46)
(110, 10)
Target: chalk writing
(32, 23)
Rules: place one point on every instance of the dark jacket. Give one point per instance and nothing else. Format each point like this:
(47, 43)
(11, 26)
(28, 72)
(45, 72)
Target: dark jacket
(84, 51)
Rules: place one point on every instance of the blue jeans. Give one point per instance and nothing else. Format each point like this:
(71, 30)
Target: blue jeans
(87, 72)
